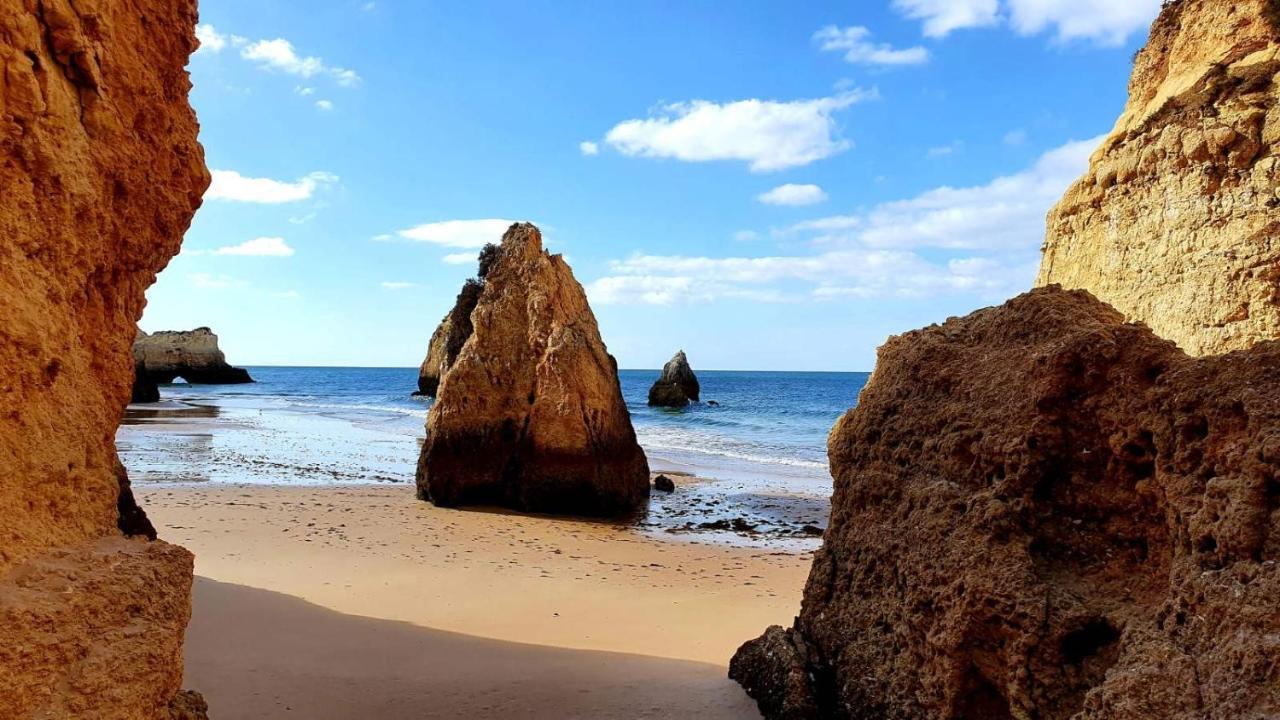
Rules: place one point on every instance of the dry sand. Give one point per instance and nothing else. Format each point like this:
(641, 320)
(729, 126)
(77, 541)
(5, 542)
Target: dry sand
(361, 602)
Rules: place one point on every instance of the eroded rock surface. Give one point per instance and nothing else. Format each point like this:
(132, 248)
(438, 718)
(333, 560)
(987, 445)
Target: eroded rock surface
(448, 339)
(1176, 222)
(192, 355)
(100, 173)
(530, 415)
(1041, 511)
(677, 385)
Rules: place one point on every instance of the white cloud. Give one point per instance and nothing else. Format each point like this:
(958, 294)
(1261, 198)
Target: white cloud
(793, 195)
(1107, 22)
(397, 285)
(279, 54)
(1015, 138)
(459, 258)
(944, 150)
(941, 17)
(324, 105)
(458, 233)
(981, 241)
(746, 236)
(369, 7)
(211, 41)
(304, 91)
(259, 247)
(766, 134)
(856, 44)
(231, 185)
(586, 147)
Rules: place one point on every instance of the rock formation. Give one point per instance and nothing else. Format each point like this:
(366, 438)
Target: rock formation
(530, 415)
(1041, 511)
(101, 174)
(677, 385)
(145, 389)
(447, 340)
(191, 355)
(1175, 223)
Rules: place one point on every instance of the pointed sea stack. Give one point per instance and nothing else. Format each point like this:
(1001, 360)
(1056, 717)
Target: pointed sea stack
(530, 414)
(676, 386)
(191, 355)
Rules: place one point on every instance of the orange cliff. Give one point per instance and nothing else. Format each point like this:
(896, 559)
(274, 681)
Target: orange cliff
(102, 174)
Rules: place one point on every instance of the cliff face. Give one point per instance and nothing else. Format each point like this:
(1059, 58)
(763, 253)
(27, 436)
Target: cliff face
(192, 355)
(1176, 222)
(101, 174)
(530, 415)
(448, 339)
(1043, 512)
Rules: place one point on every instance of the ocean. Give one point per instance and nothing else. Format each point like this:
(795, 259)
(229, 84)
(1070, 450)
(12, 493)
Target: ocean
(762, 447)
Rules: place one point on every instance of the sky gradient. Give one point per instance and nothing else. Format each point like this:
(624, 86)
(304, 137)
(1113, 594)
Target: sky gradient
(764, 185)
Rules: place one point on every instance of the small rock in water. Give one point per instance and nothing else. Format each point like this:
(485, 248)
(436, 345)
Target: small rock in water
(712, 403)
(812, 530)
(664, 483)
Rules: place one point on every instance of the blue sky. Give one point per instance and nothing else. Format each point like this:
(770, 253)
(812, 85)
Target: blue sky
(766, 185)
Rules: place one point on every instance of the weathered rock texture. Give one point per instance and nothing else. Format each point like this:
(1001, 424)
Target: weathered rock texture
(530, 415)
(1176, 223)
(100, 173)
(448, 339)
(1041, 511)
(192, 355)
(677, 385)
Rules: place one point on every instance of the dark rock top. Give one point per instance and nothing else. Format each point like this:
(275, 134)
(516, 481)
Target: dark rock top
(677, 385)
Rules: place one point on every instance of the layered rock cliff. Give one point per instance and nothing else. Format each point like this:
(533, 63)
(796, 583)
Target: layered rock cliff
(192, 355)
(530, 415)
(1175, 223)
(677, 384)
(1041, 511)
(100, 174)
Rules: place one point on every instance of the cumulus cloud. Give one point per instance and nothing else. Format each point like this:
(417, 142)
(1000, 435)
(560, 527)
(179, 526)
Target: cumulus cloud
(459, 258)
(586, 147)
(279, 54)
(981, 241)
(258, 247)
(325, 105)
(211, 41)
(767, 134)
(458, 233)
(941, 17)
(855, 43)
(1107, 22)
(793, 195)
(232, 186)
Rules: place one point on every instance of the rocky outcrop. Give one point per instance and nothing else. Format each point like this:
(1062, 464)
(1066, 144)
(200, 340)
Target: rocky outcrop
(677, 385)
(530, 415)
(1175, 223)
(101, 174)
(1041, 511)
(191, 355)
(448, 339)
(145, 390)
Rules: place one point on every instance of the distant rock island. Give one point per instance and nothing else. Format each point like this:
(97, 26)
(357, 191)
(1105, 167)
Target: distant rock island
(676, 386)
(530, 415)
(192, 355)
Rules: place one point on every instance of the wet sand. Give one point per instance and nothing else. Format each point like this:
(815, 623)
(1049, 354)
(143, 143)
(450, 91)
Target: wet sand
(571, 618)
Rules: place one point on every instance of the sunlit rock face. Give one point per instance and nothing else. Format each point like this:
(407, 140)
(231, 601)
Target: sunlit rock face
(100, 174)
(1042, 511)
(530, 414)
(1177, 222)
(192, 355)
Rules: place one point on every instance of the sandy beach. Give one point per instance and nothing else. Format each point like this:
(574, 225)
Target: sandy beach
(304, 593)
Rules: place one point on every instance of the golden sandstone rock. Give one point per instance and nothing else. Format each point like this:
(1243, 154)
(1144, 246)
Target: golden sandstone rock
(1176, 223)
(530, 414)
(100, 174)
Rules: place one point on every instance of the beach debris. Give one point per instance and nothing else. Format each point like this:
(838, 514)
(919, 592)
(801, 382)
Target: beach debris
(664, 483)
(101, 173)
(530, 414)
(192, 355)
(676, 386)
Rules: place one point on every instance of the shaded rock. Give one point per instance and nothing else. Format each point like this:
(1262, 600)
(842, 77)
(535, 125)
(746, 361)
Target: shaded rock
(676, 386)
(530, 414)
(188, 705)
(448, 339)
(1042, 511)
(1174, 224)
(191, 355)
(775, 669)
(664, 483)
(101, 174)
(145, 389)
